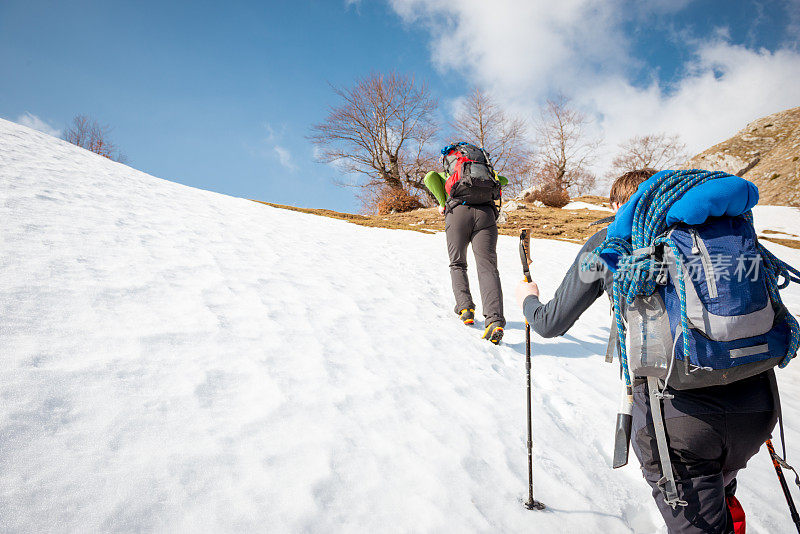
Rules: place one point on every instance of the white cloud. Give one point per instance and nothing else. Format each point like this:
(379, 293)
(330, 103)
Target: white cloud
(724, 87)
(793, 28)
(270, 132)
(32, 121)
(521, 46)
(727, 86)
(285, 157)
(525, 52)
(271, 148)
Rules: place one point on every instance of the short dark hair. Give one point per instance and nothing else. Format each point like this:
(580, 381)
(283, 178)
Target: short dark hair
(626, 185)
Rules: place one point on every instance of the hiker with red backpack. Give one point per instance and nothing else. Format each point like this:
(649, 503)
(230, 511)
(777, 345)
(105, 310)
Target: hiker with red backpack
(467, 192)
(698, 325)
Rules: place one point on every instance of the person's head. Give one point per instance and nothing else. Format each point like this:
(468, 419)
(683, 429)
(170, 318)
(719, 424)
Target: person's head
(625, 186)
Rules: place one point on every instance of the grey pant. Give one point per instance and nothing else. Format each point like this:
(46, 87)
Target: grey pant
(477, 225)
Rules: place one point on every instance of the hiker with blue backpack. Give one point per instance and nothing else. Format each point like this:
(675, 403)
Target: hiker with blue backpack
(698, 326)
(467, 192)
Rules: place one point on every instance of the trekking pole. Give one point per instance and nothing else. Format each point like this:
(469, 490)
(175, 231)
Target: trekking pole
(776, 462)
(525, 257)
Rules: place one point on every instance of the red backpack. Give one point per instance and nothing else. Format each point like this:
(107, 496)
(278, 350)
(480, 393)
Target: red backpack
(471, 178)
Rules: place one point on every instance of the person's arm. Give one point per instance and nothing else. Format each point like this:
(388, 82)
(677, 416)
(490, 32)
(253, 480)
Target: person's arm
(434, 181)
(576, 293)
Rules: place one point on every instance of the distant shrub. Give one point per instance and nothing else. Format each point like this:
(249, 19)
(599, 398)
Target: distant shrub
(552, 197)
(87, 133)
(394, 200)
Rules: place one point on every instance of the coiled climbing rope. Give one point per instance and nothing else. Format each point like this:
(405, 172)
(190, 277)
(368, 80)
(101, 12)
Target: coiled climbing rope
(636, 268)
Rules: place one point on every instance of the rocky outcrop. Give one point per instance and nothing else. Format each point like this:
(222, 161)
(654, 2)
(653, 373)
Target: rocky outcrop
(766, 152)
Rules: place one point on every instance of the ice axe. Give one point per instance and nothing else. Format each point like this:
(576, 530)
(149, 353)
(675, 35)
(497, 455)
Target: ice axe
(525, 257)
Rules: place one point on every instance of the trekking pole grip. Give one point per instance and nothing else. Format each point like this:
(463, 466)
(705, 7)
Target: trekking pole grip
(525, 252)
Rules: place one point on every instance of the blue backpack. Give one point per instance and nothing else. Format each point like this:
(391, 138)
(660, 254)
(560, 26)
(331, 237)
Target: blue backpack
(695, 296)
(733, 329)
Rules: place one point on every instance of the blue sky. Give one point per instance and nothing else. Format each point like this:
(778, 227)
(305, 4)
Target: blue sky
(221, 95)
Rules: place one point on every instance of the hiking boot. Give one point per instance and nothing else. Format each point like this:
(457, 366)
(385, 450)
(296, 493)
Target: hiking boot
(467, 316)
(494, 333)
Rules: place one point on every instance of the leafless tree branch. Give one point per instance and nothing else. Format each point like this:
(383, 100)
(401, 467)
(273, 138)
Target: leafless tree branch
(87, 133)
(655, 151)
(380, 131)
(565, 151)
(505, 137)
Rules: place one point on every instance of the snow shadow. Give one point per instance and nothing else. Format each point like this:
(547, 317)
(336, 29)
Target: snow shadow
(566, 346)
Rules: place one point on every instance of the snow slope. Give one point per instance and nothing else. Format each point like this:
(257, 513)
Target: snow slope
(175, 360)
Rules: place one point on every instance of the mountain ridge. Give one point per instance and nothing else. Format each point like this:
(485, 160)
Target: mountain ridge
(766, 152)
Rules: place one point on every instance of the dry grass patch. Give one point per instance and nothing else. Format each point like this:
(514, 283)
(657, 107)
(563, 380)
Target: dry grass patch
(545, 223)
(791, 243)
(375, 221)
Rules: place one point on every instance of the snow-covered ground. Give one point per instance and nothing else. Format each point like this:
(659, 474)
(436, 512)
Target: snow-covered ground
(175, 360)
(580, 205)
(782, 222)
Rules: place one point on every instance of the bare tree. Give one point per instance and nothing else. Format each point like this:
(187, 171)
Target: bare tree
(565, 150)
(655, 151)
(380, 132)
(87, 133)
(481, 120)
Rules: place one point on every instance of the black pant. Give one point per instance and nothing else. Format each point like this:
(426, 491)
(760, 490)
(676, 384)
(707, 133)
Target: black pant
(477, 225)
(712, 433)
